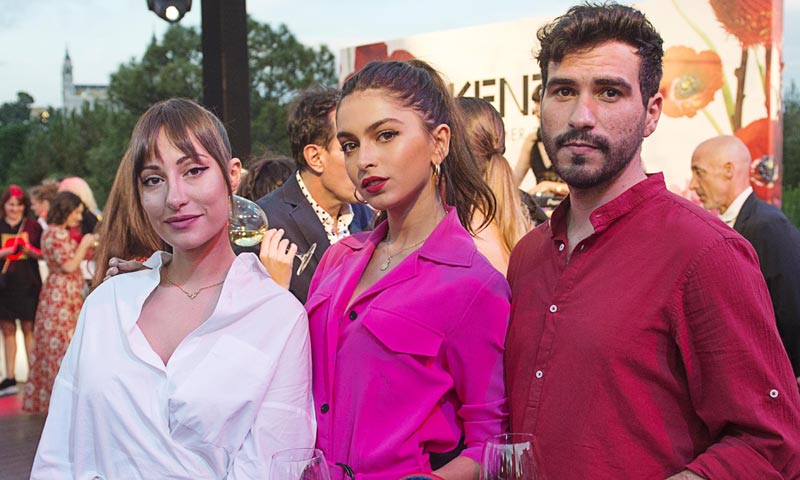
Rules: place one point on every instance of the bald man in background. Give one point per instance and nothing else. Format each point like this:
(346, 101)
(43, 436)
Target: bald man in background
(721, 178)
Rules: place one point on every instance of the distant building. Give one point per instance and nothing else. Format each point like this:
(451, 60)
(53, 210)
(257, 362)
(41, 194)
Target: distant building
(75, 96)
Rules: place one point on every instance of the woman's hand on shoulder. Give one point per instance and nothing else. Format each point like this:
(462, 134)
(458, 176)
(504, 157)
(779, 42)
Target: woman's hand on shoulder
(277, 256)
(118, 265)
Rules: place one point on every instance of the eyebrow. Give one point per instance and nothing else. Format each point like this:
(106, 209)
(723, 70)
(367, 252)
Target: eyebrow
(153, 166)
(614, 82)
(604, 81)
(561, 81)
(373, 126)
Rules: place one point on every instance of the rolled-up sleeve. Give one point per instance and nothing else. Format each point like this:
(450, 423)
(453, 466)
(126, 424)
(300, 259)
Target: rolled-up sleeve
(740, 380)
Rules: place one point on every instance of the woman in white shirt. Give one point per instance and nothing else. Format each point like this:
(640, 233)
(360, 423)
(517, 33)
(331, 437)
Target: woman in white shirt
(198, 367)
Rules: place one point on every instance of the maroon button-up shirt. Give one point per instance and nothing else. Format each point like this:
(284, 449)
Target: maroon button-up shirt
(653, 350)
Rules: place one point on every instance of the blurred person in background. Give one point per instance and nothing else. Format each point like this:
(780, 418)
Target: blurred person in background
(550, 189)
(265, 175)
(486, 137)
(317, 203)
(91, 213)
(21, 282)
(91, 217)
(41, 195)
(721, 179)
(60, 300)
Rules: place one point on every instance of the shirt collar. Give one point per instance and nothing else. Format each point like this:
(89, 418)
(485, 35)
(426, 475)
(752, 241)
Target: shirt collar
(606, 214)
(242, 291)
(449, 243)
(730, 215)
(327, 221)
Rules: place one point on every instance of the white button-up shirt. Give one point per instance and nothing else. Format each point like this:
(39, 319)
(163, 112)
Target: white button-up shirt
(730, 215)
(236, 389)
(342, 222)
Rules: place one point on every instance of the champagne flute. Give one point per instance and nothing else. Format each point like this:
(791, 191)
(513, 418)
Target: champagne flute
(509, 456)
(247, 224)
(299, 464)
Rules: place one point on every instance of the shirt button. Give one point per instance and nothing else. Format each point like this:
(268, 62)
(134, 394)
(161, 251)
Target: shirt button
(773, 393)
(553, 309)
(561, 247)
(324, 408)
(353, 315)
(539, 374)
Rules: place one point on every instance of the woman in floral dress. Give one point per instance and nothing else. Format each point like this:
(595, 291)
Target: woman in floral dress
(60, 301)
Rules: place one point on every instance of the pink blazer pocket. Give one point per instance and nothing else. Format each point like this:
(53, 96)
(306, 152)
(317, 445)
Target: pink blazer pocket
(402, 334)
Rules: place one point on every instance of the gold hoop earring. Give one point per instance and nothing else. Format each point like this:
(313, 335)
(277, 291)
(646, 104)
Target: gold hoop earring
(437, 173)
(355, 194)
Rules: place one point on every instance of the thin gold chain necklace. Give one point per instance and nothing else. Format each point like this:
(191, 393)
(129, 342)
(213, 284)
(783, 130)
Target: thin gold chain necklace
(191, 295)
(388, 260)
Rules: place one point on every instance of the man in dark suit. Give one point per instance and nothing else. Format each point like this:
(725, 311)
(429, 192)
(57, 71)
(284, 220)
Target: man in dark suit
(721, 178)
(317, 203)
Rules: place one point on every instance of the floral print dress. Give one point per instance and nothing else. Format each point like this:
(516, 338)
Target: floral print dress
(59, 305)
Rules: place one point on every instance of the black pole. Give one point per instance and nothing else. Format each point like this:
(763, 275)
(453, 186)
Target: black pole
(226, 83)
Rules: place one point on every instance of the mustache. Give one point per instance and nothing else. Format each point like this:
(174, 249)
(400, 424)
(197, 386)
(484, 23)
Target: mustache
(595, 141)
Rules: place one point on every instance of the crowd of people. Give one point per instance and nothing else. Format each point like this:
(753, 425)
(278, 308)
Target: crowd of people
(46, 265)
(633, 333)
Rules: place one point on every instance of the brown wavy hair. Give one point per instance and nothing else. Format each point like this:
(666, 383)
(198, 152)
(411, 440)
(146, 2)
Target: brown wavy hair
(584, 27)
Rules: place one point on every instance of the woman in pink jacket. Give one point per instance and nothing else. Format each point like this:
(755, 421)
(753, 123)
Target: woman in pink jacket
(407, 321)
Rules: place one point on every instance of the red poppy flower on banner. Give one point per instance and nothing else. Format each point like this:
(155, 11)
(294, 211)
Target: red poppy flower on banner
(764, 171)
(690, 80)
(748, 20)
(378, 52)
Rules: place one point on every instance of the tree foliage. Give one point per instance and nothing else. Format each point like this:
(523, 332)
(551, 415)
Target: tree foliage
(791, 137)
(170, 68)
(280, 66)
(90, 142)
(16, 112)
(791, 154)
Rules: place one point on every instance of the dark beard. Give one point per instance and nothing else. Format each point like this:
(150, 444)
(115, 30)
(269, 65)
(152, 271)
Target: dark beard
(617, 157)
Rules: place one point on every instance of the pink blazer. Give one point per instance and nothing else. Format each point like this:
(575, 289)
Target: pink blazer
(413, 362)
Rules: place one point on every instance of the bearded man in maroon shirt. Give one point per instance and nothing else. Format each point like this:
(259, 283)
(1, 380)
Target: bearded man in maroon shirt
(642, 341)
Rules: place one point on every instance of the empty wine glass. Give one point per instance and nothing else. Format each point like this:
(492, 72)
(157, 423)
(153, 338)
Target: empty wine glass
(509, 456)
(299, 464)
(247, 224)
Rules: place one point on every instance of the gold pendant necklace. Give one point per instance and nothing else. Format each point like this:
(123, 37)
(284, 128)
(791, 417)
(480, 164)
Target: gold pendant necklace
(191, 295)
(385, 265)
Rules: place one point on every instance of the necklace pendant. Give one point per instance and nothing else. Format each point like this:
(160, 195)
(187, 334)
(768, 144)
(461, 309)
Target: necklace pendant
(385, 264)
(193, 295)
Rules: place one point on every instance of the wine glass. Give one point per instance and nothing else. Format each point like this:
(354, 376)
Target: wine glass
(247, 224)
(509, 456)
(299, 464)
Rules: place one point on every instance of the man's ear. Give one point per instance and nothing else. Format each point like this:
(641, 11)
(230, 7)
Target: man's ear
(235, 173)
(727, 170)
(653, 113)
(313, 155)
